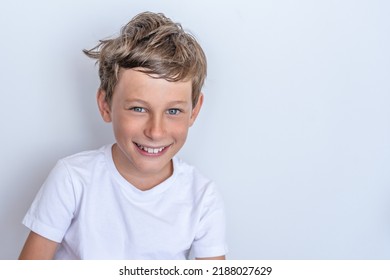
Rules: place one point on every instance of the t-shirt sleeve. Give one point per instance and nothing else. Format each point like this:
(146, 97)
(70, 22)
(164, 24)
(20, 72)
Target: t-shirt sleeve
(54, 206)
(210, 239)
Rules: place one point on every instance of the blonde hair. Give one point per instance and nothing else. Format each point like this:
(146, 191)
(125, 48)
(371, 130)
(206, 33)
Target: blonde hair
(156, 46)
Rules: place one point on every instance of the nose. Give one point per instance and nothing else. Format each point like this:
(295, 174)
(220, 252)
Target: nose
(155, 127)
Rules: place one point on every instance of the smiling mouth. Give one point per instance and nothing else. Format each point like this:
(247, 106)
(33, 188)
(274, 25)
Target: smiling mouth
(151, 150)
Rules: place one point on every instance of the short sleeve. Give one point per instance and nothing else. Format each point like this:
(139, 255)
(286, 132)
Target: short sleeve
(54, 206)
(210, 239)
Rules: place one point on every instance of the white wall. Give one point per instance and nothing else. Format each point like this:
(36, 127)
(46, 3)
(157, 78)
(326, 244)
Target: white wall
(295, 128)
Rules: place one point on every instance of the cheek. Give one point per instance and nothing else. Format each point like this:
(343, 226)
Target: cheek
(123, 126)
(180, 130)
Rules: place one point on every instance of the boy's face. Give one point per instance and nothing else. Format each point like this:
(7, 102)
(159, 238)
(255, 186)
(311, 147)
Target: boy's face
(150, 118)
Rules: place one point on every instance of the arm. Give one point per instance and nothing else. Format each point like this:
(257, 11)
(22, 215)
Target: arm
(38, 247)
(210, 241)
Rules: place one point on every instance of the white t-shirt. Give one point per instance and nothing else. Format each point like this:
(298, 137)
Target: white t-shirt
(94, 213)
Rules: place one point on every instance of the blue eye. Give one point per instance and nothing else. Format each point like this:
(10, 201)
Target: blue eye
(174, 111)
(138, 109)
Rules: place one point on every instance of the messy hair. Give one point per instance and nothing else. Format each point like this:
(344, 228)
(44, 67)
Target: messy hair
(156, 46)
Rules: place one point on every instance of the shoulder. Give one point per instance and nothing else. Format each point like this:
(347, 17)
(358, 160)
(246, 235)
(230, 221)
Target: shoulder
(82, 166)
(85, 158)
(190, 173)
(198, 184)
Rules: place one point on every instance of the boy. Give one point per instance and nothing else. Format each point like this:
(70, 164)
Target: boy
(134, 199)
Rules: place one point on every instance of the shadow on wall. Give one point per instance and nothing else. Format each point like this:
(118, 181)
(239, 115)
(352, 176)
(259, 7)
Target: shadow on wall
(16, 203)
(85, 75)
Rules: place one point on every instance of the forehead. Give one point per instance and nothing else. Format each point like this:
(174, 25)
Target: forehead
(136, 83)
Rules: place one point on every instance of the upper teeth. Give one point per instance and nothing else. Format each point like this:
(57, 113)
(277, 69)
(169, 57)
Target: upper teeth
(151, 150)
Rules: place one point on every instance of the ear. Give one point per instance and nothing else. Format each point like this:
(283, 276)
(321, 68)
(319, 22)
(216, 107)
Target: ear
(104, 107)
(196, 109)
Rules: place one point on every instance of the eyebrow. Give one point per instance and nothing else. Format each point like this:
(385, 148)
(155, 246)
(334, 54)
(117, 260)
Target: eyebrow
(136, 100)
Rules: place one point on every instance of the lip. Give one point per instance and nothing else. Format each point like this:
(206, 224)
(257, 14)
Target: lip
(145, 153)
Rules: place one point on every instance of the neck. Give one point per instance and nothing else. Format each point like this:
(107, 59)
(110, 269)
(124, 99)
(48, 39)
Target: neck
(139, 179)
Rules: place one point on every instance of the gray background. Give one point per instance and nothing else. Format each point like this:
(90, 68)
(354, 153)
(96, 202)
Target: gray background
(295, 128)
